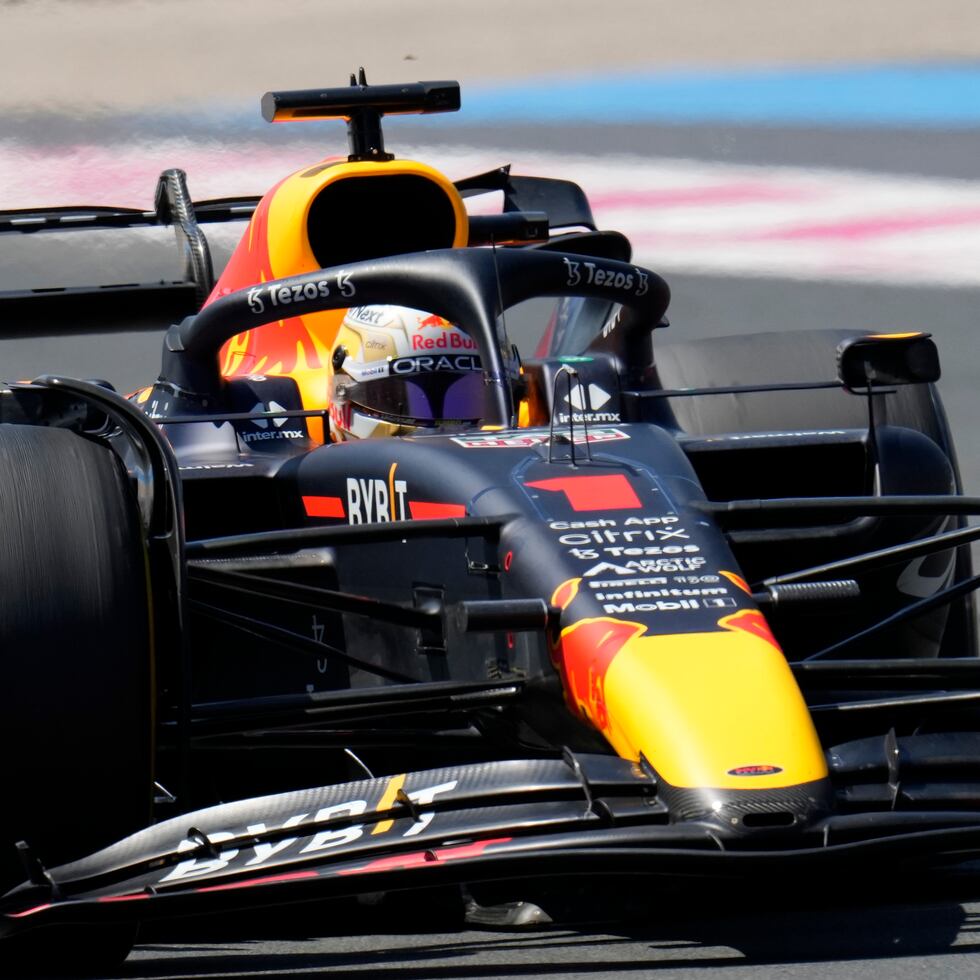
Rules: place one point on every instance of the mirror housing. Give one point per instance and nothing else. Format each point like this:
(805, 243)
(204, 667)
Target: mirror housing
(883, 360)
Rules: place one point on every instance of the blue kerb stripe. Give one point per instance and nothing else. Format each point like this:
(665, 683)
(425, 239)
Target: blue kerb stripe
(900, 96)
(946, 96)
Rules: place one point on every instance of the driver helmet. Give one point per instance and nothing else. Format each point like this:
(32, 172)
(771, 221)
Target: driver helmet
(395, 371)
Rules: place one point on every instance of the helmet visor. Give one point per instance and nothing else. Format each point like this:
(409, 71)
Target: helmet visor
(428, 399)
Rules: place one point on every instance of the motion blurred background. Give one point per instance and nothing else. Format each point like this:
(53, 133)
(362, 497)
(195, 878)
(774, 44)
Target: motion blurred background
(785, 165)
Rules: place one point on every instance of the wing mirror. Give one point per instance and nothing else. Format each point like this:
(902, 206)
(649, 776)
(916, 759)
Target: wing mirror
(883, 360)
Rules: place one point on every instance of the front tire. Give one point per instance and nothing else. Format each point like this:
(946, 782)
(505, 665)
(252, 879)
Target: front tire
(75, 656)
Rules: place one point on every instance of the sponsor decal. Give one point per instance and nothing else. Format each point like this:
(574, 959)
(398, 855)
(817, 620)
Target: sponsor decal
(563, 418)
(218, 466)
(661, 605)
(763, 770)
(275, 296)
(629, 522)
(446, 339)
(646, 567)
(371, 500)
(608, 492)
(573, 271)
(573, 525)
(613, 535)
(622, 583)
(591, 554)
(527, 440)
(244, 854)
(271, 407)
(254, 297)
(372, 316)
(430, 365)
(264, 433)
(612, 324)
(577, 273)
(670, 549)
(275, 434)
(711, 595)
(597, 397)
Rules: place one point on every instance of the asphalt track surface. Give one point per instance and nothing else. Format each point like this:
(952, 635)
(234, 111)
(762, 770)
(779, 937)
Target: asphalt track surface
(903, 929)
(914, 937)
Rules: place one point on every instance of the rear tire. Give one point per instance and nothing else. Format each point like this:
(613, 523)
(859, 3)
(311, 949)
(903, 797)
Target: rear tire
(75, 664)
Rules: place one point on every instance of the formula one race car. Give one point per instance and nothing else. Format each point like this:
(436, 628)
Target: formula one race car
(583, 610)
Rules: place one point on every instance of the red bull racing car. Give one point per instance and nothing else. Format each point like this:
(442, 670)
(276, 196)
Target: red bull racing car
(595, 604)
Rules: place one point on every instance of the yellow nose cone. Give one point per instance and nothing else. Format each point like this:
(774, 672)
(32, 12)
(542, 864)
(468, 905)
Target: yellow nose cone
(713, 710)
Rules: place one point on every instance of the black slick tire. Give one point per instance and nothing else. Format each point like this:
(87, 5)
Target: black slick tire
(75, 667)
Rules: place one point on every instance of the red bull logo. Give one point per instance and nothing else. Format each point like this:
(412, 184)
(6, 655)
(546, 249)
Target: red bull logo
(435, 321)
(448, 339)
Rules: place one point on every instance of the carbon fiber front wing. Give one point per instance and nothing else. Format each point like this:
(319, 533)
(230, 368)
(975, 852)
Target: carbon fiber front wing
(519, 819)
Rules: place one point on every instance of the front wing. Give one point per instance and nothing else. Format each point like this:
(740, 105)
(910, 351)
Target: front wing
(518, 819)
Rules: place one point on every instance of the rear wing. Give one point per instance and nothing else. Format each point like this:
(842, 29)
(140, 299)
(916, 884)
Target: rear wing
(533, 207)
